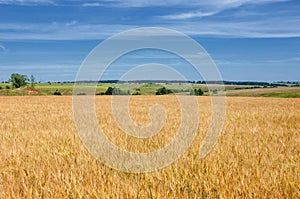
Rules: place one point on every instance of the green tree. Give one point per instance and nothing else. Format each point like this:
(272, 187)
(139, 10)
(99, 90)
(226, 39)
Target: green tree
(32, 81)
(57, 92)
(198, 91)
(18, 80)
(163, 91)
(109, 91)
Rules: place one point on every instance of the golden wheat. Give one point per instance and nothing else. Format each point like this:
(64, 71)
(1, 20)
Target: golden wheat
(257, 155)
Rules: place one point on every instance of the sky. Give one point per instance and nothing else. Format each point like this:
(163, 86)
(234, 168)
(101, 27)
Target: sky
(249, 40)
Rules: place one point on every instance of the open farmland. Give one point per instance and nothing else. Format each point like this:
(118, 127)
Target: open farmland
(283, 92)
(257, 155)
(46, 89)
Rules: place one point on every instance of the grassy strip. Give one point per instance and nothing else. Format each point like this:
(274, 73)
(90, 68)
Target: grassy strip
(282, 95)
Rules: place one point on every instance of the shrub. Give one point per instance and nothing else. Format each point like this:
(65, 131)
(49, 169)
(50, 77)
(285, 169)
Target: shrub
(109, 91)
(198, 92)
(136, 93)
(18, 80)
(163, 91)
(115, 91)
(57, 93)
(32, 81)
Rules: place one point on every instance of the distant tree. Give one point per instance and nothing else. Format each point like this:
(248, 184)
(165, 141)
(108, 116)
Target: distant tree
(57, 92)
(163, 91)
(115, 91)
(32, 81)
(18, 80)
(109, 91)
(198, 91)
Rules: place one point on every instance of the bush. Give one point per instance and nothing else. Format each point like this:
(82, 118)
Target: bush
(32, 81)
(7, 87)
(136, 93)
(163, 91)
(0, 87)
(115, 91)
(198, 92)
(109, 91)
(18, 80)
(57, 93)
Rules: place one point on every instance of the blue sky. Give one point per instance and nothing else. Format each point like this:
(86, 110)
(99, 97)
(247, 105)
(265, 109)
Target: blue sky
(248, 40)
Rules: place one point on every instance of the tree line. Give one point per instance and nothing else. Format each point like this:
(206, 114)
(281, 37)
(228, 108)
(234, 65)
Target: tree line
(17, 80)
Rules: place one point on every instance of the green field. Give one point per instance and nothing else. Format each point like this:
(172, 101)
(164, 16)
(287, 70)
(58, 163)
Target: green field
(44, 89)
(127, 88)
(281, 92)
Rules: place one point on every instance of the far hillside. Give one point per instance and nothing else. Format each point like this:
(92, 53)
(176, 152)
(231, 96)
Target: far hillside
(143, 88)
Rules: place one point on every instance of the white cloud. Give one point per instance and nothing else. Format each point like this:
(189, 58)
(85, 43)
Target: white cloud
(26, 2)
(2, 48)
(155, 3)
(59, 31)
(188, 3)
(213, 7)
(284, 27)
(71, 23)
(95, 4)
(219, 4)
(188, 15)
(250, 29)
(291, 59)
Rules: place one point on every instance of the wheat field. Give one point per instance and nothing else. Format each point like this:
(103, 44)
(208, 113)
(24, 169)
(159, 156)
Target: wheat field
(257, 155)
